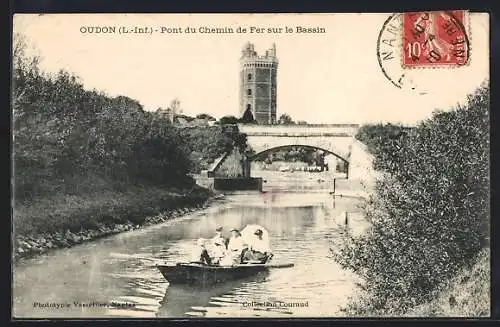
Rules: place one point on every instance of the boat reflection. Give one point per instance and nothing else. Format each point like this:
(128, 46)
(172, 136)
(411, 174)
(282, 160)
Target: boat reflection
(183, 300)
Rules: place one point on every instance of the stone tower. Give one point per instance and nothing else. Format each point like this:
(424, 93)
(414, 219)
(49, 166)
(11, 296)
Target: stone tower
(258, 84)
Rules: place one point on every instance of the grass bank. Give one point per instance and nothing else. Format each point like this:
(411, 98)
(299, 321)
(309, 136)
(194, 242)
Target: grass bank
(465, 295)
(63, 220)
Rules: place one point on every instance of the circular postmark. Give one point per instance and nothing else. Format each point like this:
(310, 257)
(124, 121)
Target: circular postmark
(409, 44)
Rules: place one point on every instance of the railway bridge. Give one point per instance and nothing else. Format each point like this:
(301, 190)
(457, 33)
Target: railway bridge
(232, 170)
(335, 139)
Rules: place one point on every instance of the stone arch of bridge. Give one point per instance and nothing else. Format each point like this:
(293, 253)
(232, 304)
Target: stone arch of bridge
(276, 148)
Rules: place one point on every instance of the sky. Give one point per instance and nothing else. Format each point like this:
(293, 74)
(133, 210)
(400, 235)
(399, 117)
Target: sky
(331, 77)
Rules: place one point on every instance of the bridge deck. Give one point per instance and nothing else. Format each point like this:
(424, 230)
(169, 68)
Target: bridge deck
(319, 130)
(317, 134)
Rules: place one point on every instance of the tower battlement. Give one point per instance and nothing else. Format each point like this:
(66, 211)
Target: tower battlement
(258, 74)
(249, 54)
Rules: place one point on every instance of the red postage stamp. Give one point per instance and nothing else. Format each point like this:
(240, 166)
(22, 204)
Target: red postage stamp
(437, 38)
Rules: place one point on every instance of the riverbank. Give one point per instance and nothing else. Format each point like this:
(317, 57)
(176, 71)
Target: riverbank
(467, 294)
(65, 220)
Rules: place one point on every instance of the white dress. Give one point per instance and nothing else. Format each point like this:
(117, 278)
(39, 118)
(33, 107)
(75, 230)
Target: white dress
(235, 247)
(218, 252)
(260, 245)
(196, 254)
(236, 244)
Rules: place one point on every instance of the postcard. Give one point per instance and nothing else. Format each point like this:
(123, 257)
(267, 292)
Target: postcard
(251, 165)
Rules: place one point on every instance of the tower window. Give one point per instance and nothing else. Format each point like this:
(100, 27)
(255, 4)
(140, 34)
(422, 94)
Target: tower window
(249, 77)
(249, 106)
(249, 92)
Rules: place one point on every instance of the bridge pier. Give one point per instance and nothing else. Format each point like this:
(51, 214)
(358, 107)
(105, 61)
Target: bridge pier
(246, 167)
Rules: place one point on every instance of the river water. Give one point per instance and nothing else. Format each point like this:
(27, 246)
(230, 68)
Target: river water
(115, 276)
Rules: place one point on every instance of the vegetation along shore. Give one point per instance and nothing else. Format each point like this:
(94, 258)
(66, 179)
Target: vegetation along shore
(430, 217)
(88, 165)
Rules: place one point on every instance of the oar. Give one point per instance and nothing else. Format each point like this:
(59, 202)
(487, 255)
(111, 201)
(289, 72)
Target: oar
(156, 261)
(128, 256)
(280, 265)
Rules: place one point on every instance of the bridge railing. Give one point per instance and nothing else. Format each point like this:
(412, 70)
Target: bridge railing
(300, 130)
(303, 134)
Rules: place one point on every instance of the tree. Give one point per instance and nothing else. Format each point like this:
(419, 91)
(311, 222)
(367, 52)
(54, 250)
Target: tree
(186, 117)
(382, 141)
(205, 116)
(228, 120)
(130, 104)
(285, 119)
(65, 134)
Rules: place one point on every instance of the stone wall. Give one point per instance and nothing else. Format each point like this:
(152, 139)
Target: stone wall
(361, 165)
(238, 184)
(232, 167)
(205, 179)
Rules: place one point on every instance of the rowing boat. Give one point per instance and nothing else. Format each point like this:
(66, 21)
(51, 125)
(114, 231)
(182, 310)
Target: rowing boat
(195, 273)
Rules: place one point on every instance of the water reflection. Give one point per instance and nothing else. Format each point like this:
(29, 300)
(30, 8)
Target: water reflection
(119, 270)
(182, 300)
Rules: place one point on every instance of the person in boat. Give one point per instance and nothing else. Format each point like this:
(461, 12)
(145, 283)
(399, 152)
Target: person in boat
(200, 253)
(236, 247)
(219, 238)
(258, 250)
(219, 251)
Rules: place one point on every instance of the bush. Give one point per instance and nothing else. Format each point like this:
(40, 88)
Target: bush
(228, 120)
(430, 215)
(383, 142)
(207, 144)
